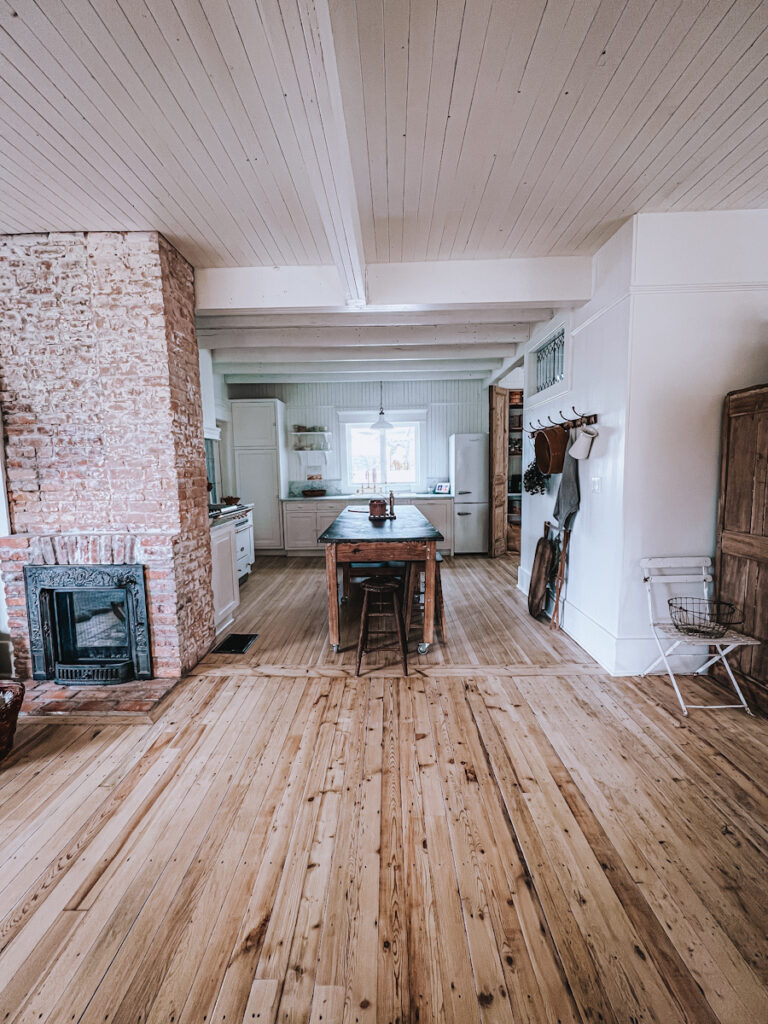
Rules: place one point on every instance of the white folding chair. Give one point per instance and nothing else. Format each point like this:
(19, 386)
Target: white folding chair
(665, 572)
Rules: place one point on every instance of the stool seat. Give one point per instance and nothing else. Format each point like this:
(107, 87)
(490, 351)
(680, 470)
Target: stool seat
(381, 591)
(380, 585)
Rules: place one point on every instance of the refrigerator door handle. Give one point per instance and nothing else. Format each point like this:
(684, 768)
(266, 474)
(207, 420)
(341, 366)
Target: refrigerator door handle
(465, 492)
(463, 513)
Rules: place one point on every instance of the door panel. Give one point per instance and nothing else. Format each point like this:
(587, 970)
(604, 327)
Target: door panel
(254, 424)
(256, 474)
(742, 541)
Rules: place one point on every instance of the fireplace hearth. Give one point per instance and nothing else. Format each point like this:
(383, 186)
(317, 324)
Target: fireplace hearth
(88, 623)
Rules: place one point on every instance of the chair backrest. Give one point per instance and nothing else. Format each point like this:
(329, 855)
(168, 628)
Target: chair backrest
(682, 571)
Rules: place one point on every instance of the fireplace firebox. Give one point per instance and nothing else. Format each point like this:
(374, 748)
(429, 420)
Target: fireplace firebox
(88, 623)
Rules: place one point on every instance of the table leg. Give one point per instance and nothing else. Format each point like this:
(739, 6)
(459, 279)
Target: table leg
(429, 595)
(346, 581)
(332, 584)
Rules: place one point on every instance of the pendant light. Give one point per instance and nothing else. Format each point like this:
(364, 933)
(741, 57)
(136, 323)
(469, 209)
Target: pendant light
(382, 423)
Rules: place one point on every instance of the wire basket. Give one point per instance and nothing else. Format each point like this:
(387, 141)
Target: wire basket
(703, 617)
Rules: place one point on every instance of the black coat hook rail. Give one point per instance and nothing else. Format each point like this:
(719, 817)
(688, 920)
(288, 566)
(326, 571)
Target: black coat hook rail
(579, 419)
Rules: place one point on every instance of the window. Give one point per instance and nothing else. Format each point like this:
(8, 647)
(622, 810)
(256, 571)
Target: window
(392, 458)
(550, 361)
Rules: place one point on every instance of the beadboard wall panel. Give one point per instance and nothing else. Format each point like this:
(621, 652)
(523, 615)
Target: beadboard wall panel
(453, 407)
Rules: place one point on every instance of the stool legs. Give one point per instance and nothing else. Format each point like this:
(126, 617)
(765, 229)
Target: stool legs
(401, 636)
(362, 639)
(413, 582)
(363, 635)
(413, 579)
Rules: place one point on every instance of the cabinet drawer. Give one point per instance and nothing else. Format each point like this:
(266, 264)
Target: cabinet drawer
(243, 565)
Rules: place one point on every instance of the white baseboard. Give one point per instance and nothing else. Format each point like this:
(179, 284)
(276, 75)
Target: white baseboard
(523, 579)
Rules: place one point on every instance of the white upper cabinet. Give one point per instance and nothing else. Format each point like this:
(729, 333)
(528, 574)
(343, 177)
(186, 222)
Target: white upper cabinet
(255, 423)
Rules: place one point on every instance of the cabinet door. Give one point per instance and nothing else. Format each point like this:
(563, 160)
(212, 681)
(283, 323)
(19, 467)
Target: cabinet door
(440, 514)
(256, 478)
(254, 424)
(226, 594)
(300, 530)
(324, 520)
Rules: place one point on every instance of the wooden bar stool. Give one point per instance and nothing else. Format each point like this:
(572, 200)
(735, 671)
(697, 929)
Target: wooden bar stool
(359, 570)
(413, 587)
(376, 590)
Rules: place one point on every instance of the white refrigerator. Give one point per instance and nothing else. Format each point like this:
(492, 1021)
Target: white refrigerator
(468, 461)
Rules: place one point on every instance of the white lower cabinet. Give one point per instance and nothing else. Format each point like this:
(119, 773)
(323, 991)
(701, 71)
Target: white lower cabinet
(258, 483)
(439, 511)
(226, 593)
(300, 530)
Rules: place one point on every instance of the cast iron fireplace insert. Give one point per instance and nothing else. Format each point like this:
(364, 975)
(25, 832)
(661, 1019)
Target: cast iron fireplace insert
(88, 623)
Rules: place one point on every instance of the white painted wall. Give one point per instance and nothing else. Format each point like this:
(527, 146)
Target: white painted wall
(678, 318)
(453, 406)
(596, 380)
(699, 330)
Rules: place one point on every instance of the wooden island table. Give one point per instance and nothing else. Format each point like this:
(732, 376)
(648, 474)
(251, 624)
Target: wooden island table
(353, 537)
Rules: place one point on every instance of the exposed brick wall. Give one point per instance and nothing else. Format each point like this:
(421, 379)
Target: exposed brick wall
(100, 397)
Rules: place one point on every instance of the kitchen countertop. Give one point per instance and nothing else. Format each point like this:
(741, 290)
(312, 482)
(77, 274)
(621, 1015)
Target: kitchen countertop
(363, 498)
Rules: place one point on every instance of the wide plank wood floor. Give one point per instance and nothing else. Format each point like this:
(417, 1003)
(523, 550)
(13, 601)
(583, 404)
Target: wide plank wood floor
(505, 835)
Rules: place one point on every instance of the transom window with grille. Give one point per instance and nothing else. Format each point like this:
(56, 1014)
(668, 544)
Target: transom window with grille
(550, 361)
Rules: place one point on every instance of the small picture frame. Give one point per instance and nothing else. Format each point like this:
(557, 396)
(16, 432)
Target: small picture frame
(443, 488)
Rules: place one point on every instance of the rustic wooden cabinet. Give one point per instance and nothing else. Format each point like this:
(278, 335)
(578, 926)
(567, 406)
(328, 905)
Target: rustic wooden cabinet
(742, 531)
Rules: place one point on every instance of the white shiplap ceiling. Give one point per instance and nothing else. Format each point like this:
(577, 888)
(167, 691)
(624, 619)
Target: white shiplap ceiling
(258, 133)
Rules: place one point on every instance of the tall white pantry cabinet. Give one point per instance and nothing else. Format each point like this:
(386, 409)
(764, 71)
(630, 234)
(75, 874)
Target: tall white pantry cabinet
(258, 433)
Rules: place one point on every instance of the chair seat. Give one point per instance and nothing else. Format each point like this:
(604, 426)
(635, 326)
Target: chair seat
(729, 637)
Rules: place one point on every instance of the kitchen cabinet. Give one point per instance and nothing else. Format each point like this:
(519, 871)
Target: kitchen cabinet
(226, 592)
(304, 521)
(300, 531)
(257, 480)
(258, 430)
(439, 511)
(255, 423)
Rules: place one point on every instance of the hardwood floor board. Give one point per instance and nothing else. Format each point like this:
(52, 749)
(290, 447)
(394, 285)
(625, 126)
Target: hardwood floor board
(667, 799)
(536, 982)
(130, 880)
(609, 932)
(287, 842)
(715, 970)
(219, 911)
(273, 839)
(183, 920)
(425, 981)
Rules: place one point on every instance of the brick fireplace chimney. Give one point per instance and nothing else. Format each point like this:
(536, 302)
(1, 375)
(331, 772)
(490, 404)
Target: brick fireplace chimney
(101, 414)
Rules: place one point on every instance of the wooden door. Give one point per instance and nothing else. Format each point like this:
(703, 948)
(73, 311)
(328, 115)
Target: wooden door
(498, 421)
(256, 476)
(742, 531)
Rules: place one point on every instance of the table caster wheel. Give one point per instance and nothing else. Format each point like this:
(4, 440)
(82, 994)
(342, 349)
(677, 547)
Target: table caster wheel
(336, 648)
(344, 600)
(423, 648)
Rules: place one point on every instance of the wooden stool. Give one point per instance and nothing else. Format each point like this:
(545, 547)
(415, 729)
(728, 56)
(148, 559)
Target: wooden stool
(380, 587)
(358, 570)
(413, 583)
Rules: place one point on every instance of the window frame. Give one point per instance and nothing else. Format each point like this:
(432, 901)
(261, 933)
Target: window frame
(397, 417)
